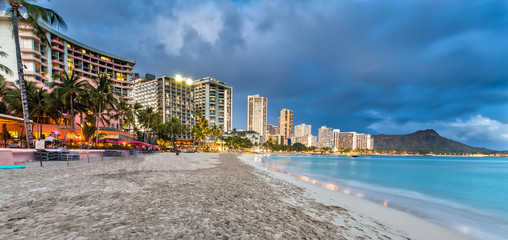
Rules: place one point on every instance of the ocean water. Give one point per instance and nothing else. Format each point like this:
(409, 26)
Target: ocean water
(467, 194)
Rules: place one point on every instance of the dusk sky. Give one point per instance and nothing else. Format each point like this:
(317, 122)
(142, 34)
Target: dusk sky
(378, 66)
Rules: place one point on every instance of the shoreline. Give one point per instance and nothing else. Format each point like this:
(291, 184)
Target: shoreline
(411, 225)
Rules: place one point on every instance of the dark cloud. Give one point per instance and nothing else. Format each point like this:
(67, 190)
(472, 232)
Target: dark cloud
(424, 61)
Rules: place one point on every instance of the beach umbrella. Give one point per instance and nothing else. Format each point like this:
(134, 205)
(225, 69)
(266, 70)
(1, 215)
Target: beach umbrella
(49, 139)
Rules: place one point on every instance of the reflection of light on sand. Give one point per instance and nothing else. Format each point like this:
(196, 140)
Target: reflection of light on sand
(328, 186)
(257, 159)
(331, 187)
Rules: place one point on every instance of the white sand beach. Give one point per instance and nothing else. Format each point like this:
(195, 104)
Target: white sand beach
(191, 196)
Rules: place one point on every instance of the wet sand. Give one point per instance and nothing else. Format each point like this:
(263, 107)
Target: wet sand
(163, 196)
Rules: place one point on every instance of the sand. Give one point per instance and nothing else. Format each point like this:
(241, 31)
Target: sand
(163, 196)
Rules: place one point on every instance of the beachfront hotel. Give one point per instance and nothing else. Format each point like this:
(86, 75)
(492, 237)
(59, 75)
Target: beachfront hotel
(175, 98)
(303, 135)
(214, 99)
(364, 141)
(335, 138)
(353, 140)
(325, 137)
(347, 140)
(170, 96)
(41, 62)
(256, 115)
(286, 124)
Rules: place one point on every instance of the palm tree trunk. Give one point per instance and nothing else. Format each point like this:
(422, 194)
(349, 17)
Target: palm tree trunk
(65, 131)
(24, 102)
(97, 124)
(146, 130)
(72, 115)
(40, 126)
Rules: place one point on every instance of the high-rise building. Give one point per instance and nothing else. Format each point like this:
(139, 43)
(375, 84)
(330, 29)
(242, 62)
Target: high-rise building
(303, 130)
(286, 124)
(347, 140)
(325, 137)
(171, 97)
(364, 141)
(41, 62)
(271, 129)
(303, 135)
(145, 90)
(214, 99)
(175, 98)
(256, 115)
(335, 140)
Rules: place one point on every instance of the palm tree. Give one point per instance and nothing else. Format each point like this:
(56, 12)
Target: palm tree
(4, 68)
(5, 93)
(39, 107)
(122, 111)
(216, 132)
(201, 128)
(69, 90)
(4, 90)
(175, 126)
(130, 116)
(22, 12)
(88, 131)
(103, 97)
(147, 116)
(6, 135)
(55, 111)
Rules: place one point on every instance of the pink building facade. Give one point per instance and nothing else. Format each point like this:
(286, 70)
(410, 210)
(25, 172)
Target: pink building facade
(41, 62)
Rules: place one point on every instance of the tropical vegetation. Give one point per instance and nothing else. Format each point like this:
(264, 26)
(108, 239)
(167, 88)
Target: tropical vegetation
(26, 13)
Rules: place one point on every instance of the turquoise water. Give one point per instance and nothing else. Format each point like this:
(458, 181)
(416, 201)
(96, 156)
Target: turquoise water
(467, 194)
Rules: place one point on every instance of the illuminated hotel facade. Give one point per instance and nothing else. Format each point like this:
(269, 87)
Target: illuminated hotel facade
(175, 98)
(256, 115)
(170, 96)
(41, 62)
(286, 124)
(145, 91)
(214, 99)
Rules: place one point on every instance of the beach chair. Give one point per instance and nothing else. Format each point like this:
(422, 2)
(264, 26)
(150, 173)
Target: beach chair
(42, 155)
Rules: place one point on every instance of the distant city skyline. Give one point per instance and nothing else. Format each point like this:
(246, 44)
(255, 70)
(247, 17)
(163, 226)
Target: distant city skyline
(392, 67)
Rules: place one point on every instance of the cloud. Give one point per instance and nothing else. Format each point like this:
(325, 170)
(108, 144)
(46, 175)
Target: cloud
(205, 20)
(477, 130)
(421, 61)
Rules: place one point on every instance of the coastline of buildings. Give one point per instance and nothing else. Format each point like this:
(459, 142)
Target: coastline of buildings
(171, 96)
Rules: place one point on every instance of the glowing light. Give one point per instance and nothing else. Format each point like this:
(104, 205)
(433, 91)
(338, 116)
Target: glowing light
(385, 204)
(178, 77)
(188, 81)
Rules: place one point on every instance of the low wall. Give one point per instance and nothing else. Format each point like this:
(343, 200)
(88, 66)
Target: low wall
(9, 156)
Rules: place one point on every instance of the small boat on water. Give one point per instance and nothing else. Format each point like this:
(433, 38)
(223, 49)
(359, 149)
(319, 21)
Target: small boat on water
(350, 155)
